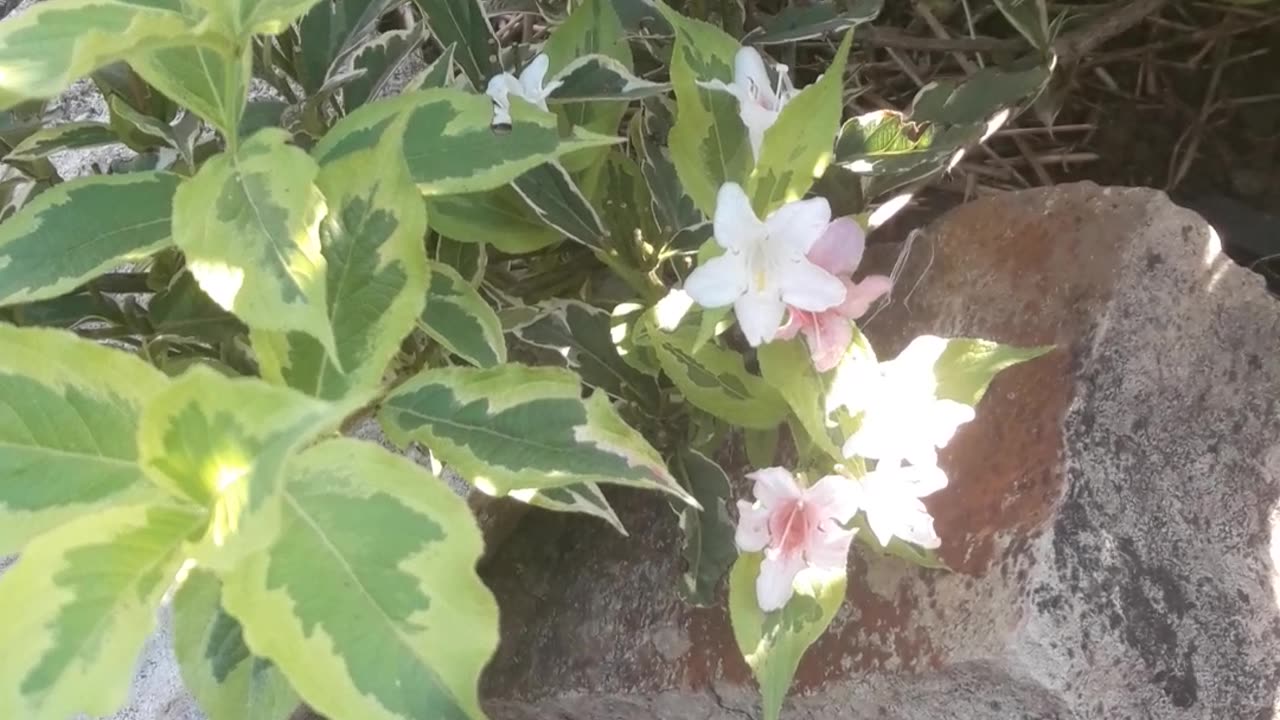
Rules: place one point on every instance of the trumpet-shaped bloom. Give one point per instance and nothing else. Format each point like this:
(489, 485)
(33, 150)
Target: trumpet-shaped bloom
(759, 100)
(890, 498)
(764, 269)
(828, 333)
(528, 86)
(796, 528)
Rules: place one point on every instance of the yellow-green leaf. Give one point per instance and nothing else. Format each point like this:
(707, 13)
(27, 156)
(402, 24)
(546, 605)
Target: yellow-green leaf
(788, 368)
(211, 80)
(716, 380)
(459, 319)
(79, 605)
(515, 428)
(375, 272)
(369, 601)
(76, 230)
(464, 25)
(500, 218)
(249, 224)
(228, 681)
(221, 443)
(256, 17)
(69, 413)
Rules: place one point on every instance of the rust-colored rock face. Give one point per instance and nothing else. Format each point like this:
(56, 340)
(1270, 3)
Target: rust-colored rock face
(1109, 516)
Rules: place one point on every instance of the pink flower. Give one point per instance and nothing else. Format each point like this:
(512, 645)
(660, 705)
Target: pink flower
(829, 332)
(797, 528)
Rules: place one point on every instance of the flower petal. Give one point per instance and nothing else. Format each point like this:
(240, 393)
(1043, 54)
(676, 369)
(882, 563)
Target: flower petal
(796, 226)
(808, 287)
(757, 120)
(759, 316)
(718, 281)
(923, 480)
(839, 249)
(736, 226)
(752, 534)
(859, 296)
(945, 417)
(774, 486)
(829, 547)
(835, 497)
(828, 339)
(797, 320)
(750, 74)
(533, 75)
(774, 586)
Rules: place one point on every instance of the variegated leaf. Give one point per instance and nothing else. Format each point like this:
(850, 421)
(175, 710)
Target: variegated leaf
(581, 334)
(228, 681)
(378, 60)
(556, 199)
(500, 218)
(221, 443)
(57, 138)
(708, 547)
(979, 97)
(328, 32)
(599, 77)
(716, 380)
(469, 259)
(773, 643)
(76, 230)
(584, 498)
(449, 144)
(798, 147)
(375, 272)
(263, 195)
(814, 20)
(211, 80)
(390, 625)
(79, 605)
(69, 412)
(439, 74)
(256, 17)
(672, 208)
(709, 143)
(788, 368)
(464, 25)
(516, 428)
(459, 319)
(49, 45)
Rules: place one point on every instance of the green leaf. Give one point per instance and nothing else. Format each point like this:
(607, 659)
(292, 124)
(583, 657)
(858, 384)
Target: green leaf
(378, 60)
(787, 367)
(773, 643)
(66, 311)
(469, 259)
(438, 74)
(599, 77)
(449, 144)
(966, 366)
(672, 208)
(798, 147)
(46, 47)
(717, 381)
(210, 80)
(556, 199)
(886, 142)
(708, 547)
(514, 427)
(500, 218)
(709, 143)
(217, 667)
(979, 97)
(256, 17)
(328, 32)
(1029, 17)
(814, 20)
(183, 308)
(221, 443)
(68, 416)
(459, 319)
(79, 605)
(393, 624)
(463, 24)
(584, 498)
(376, 277)
(264, 195)
(75, 230)
(580, 333)
(57, 138)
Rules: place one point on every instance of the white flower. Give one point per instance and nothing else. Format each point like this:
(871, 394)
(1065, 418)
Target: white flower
(759, 102)
(890, 498)
(764, 268)
(528, 86)
(903, 417)
(796, 527)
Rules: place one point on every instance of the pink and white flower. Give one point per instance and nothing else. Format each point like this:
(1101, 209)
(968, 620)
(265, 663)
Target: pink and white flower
(760, 101)
(527, 86)
(796, 528)
(828, 333)
(890, 498)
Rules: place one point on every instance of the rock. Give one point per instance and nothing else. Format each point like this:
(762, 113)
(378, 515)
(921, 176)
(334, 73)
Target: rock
(1109, 519)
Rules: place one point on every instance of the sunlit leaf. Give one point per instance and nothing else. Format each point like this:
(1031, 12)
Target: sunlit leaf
(716, 380)
(464, 25)
(459, 319)
(814, 20)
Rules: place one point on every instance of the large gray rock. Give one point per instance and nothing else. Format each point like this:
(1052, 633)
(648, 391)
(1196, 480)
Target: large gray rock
(1110, 518)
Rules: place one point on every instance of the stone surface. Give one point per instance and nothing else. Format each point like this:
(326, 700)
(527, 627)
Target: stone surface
(1110, 518)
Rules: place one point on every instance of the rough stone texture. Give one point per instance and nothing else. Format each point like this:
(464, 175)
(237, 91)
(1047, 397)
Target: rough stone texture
(1110, 515)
